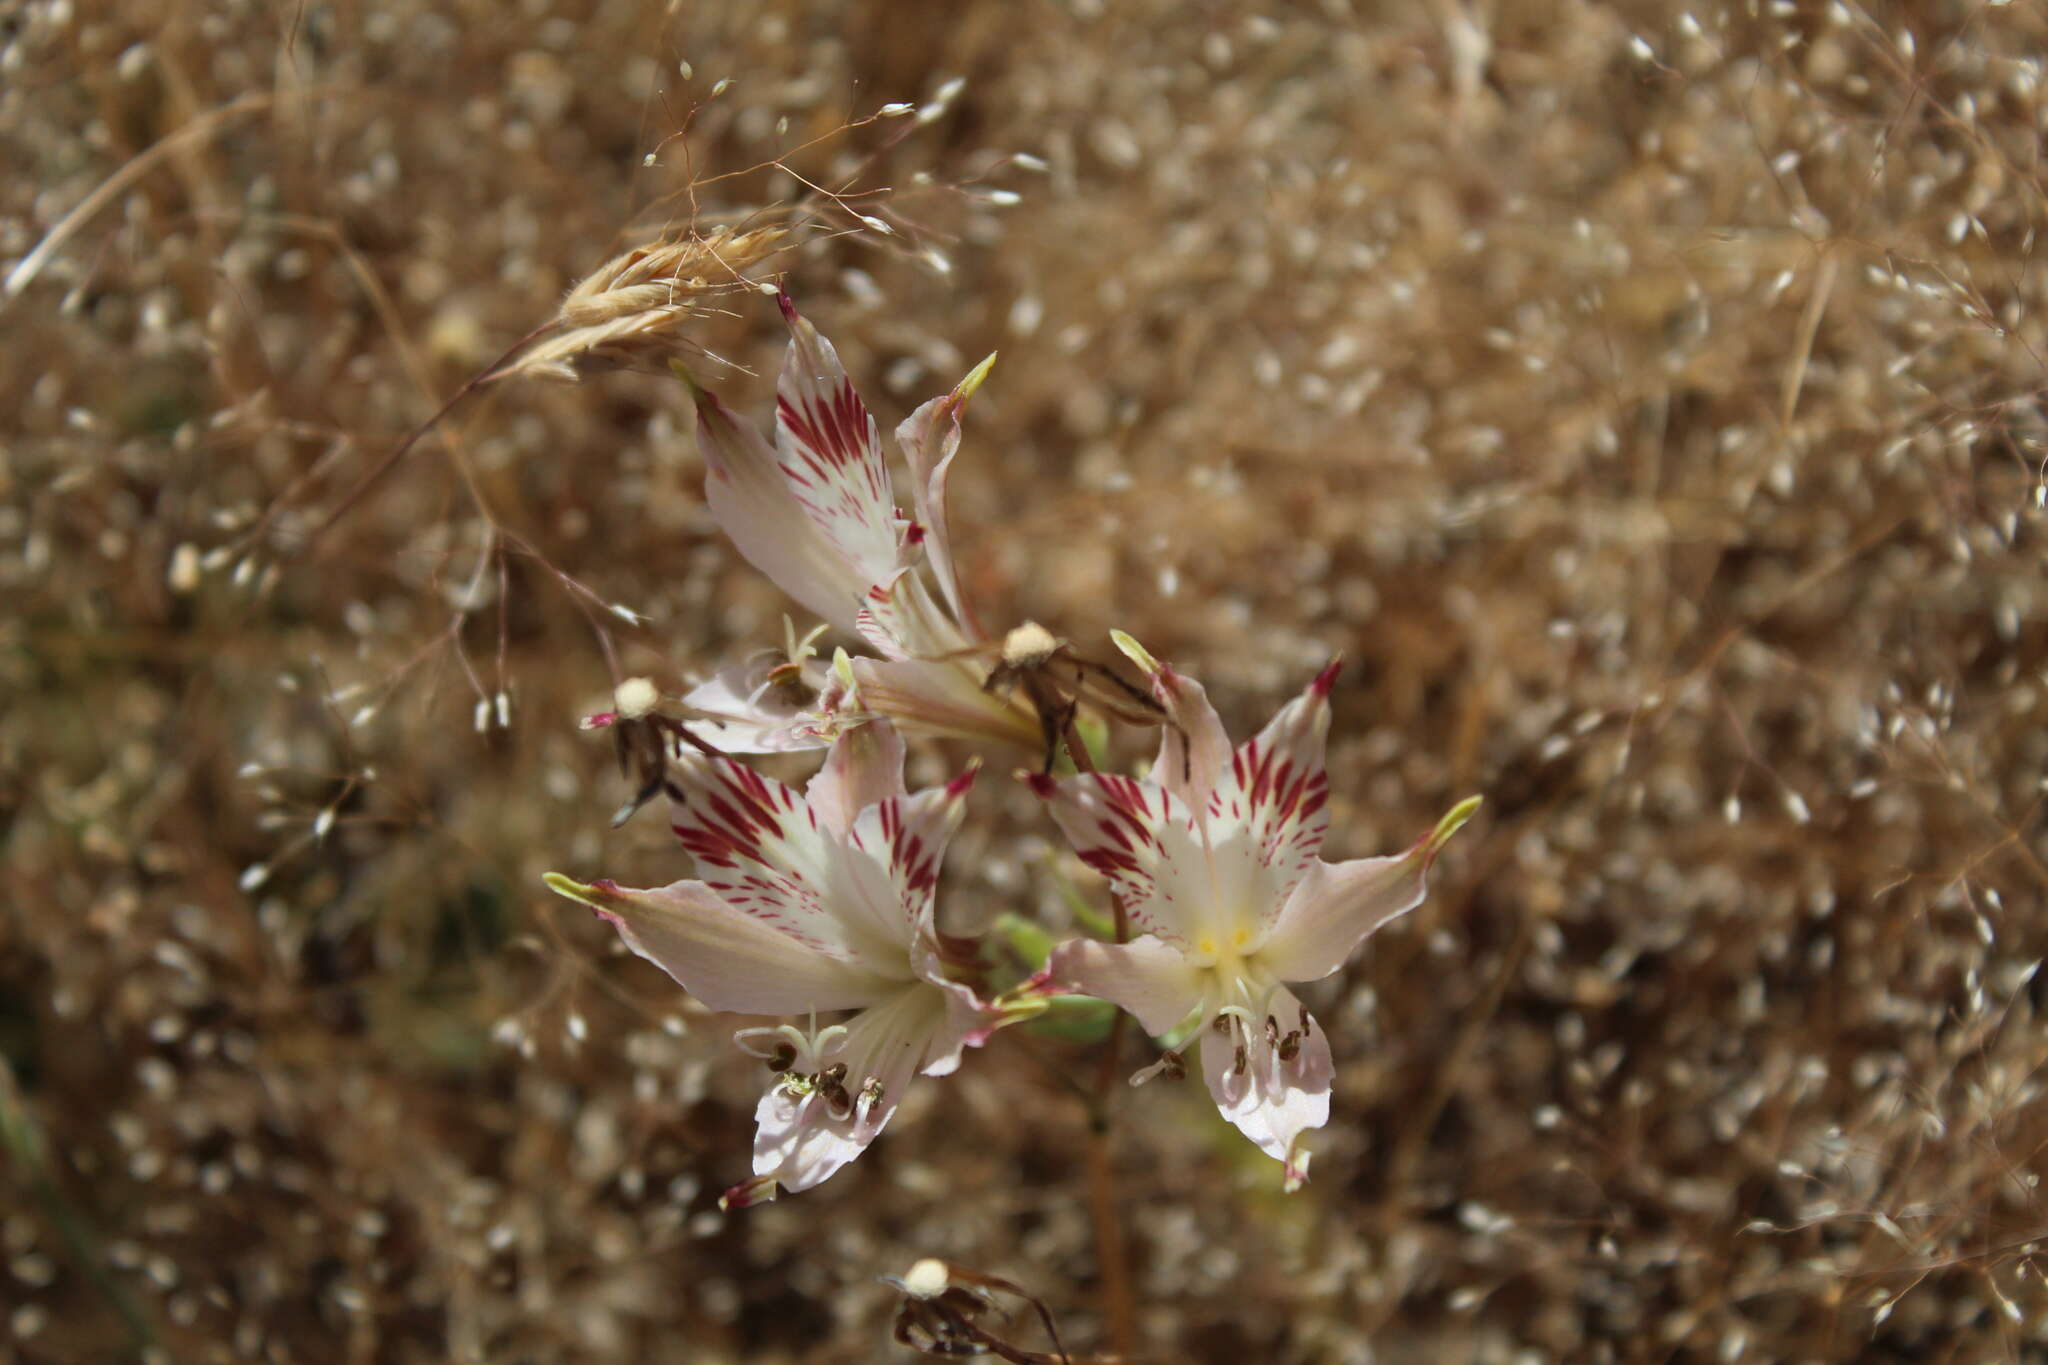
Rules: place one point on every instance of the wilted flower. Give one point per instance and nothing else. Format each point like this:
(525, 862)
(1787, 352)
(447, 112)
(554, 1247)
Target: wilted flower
(813, 902)
(816, 513)
(1215, 859)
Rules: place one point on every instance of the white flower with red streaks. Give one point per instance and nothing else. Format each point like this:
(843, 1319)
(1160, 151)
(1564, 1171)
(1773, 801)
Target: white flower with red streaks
(816, 513)
(1215, 857)
(813, 901)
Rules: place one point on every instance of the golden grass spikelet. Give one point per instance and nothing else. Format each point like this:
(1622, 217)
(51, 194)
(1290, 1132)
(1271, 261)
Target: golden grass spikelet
(629, 313)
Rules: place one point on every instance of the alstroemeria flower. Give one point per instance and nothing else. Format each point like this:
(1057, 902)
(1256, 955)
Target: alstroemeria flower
(1215, 858)
(809, 902)
(777, 701)
(816, 513)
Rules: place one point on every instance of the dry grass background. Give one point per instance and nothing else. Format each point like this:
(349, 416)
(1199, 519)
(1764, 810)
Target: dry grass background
(1647, 405)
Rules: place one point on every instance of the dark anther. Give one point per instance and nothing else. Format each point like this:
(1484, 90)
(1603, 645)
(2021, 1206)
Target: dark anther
(783, 1058)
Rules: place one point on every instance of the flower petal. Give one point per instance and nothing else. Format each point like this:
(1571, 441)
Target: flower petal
(762, 849)
(968, 1023)
(942, 697)
(1194, 751)
(1146, 976)
(799, 1142)
(728, 960)
(907, 837)
(754, 504)
(831, 454)
(1269, 811)
(746, 709)
(1337, 904)
(1142, 838)
(899, 618)
(930, 438)
(864, 767)
(1271, 1096)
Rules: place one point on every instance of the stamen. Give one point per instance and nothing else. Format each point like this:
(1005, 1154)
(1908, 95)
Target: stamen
(793, 1049)
(1170, 1065)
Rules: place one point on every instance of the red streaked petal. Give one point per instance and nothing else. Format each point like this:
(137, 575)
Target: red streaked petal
(1141, 837)
(1269, 811)
(757, 509)
(761, 849)
(864, 767)
(907, 836)
(831, 453)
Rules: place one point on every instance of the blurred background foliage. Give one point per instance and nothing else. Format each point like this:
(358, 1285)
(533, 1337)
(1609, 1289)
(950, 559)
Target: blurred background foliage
(1647, 403)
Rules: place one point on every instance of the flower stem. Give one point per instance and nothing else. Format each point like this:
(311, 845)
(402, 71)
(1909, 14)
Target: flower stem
(1112, 1258)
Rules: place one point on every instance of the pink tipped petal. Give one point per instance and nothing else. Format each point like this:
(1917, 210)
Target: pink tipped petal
(864, 767)
(1141, 837)
(968, 1023)
(1145, 976)
(759, 1190)
(753, 503)
(940, 697)
(1195, 751)
(1282, 1089)
(762, 849)
(832, 455)
(728, 960)
(799, 1141)
(908, 835)
(930, 438)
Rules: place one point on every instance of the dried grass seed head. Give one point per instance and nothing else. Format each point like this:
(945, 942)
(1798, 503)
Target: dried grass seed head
(629, 313)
